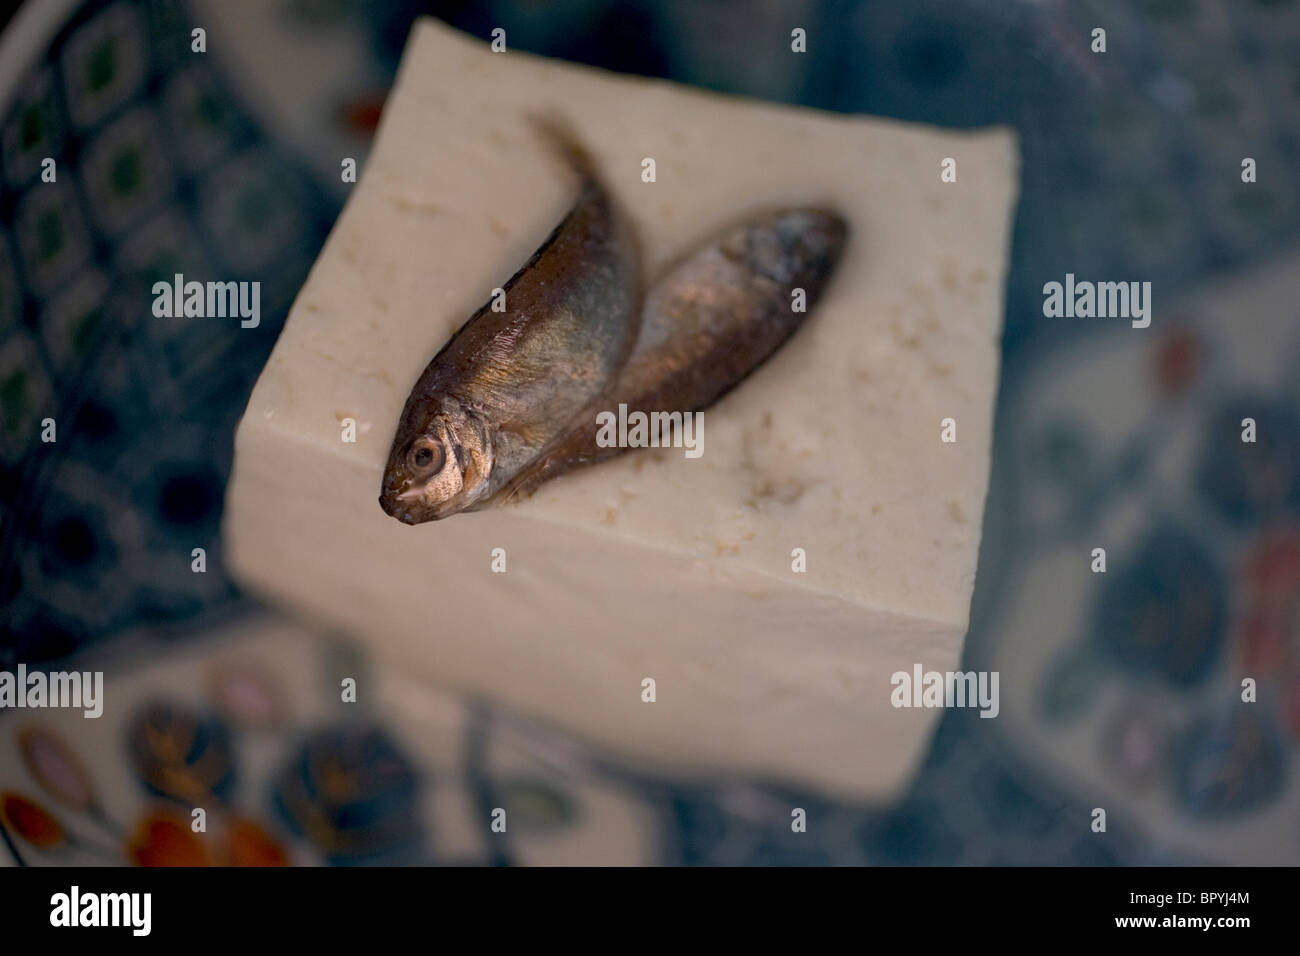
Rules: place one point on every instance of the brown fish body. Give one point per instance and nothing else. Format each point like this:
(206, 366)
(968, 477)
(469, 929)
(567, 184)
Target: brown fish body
(508, 385)
(707, 323)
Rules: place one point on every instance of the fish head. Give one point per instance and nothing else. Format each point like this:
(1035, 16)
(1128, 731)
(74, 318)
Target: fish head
(439, 464)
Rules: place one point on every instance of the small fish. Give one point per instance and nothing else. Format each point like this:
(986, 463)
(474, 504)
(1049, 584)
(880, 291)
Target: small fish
(708, 322)
(512, 399)
(509, 384)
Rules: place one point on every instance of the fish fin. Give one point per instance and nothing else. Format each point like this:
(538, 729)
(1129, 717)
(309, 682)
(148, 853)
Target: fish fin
(575, 449)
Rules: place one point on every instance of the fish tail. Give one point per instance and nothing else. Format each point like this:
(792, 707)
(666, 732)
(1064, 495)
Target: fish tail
(563, 139)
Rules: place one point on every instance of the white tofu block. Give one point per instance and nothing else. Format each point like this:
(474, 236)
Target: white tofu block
(653, 566)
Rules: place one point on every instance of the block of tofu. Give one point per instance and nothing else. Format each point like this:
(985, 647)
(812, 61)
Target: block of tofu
(653, 566)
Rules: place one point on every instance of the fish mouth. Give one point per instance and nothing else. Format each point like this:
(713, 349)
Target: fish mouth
(394, 509)
(398, 504)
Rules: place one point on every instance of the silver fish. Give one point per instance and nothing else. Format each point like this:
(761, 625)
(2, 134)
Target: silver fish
(708, 322)
(511, 401)
(509, 384)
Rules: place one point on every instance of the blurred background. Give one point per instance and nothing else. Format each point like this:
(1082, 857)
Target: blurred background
(1119, 690)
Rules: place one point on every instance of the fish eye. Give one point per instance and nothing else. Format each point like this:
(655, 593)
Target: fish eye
(428, 456)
